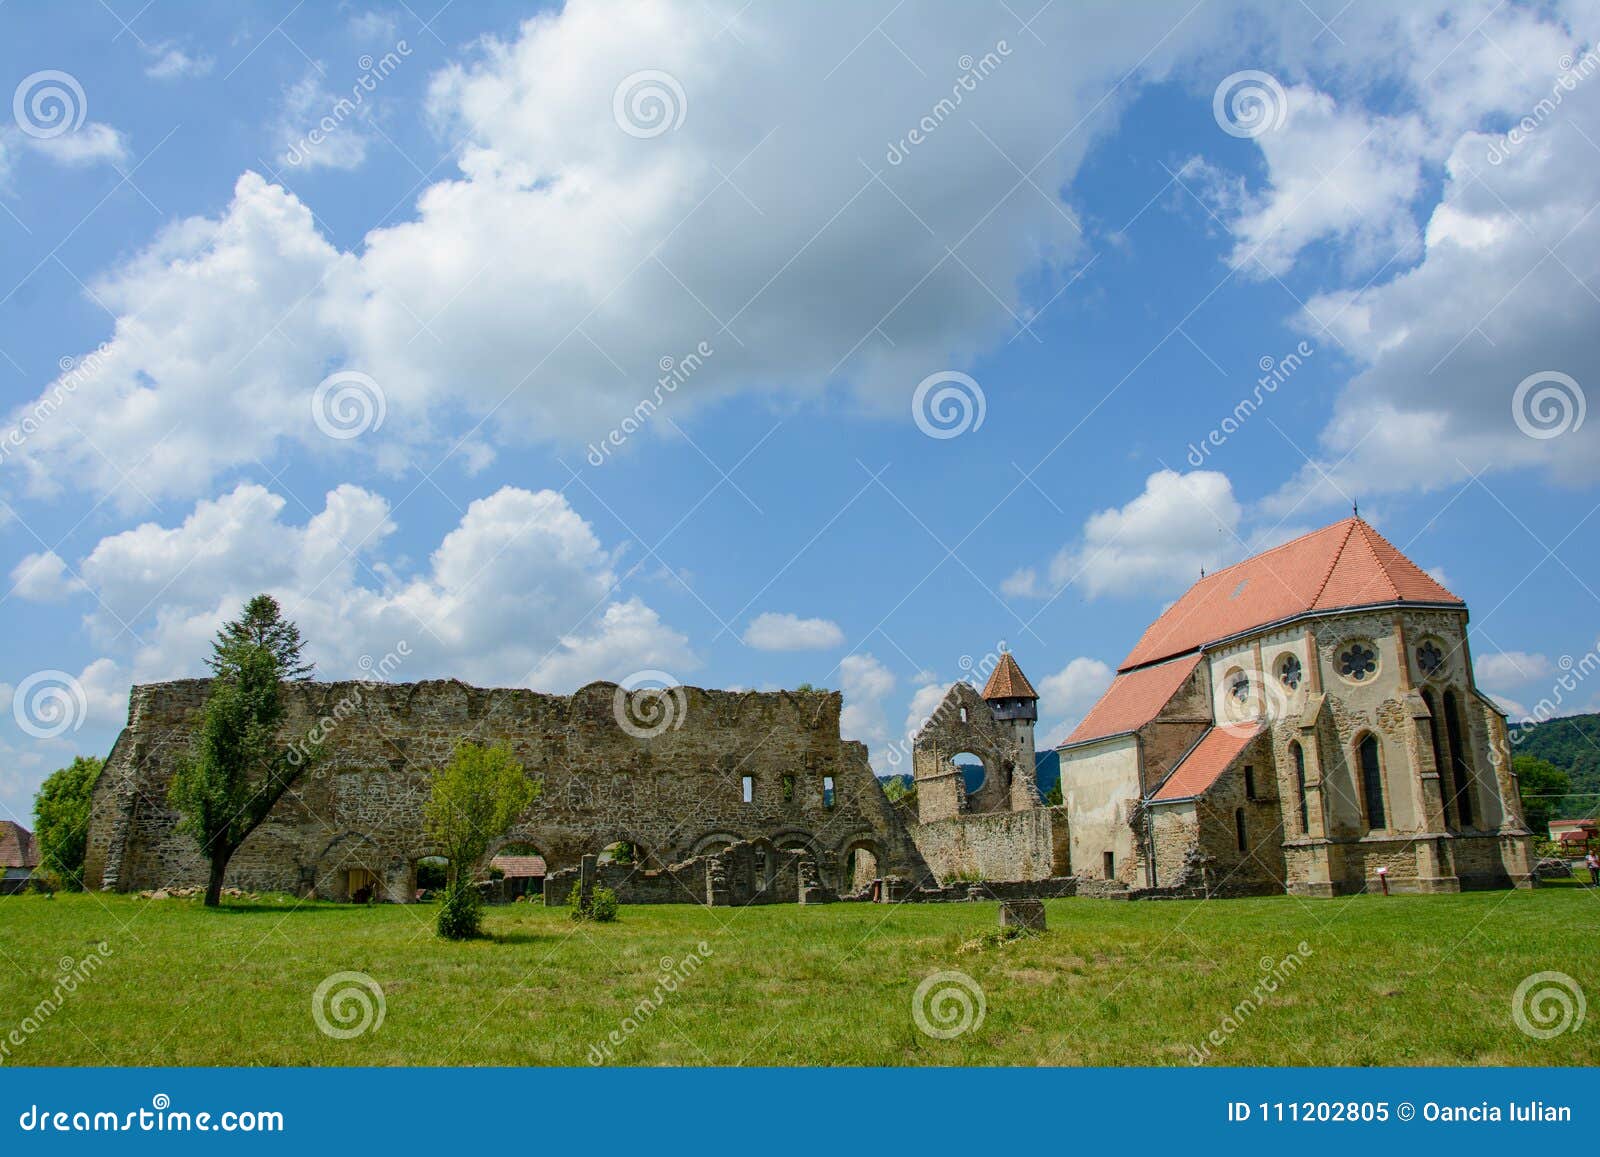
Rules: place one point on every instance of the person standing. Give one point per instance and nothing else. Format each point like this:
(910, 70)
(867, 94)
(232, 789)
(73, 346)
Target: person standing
(1592, 861)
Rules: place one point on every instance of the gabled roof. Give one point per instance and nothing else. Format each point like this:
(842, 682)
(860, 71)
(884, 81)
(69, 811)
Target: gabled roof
(1008, 682)
(1339, 567)
(1133, 699)
(17, 846)
(518, 867)
(1207, 760)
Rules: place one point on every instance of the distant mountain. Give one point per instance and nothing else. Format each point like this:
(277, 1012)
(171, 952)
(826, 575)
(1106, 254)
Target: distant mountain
(1571, 743)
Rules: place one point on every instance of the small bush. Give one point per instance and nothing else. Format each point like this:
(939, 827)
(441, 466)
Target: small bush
(601, 908)
(461, 913)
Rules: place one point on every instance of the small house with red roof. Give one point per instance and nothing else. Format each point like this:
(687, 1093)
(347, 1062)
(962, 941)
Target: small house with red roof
(1304, 721)
(19, 856)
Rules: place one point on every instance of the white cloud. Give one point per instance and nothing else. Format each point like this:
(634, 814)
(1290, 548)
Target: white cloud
(1066, 696)
(43, 578)
(317, 129)
(1022, 583)
(1512, 668)
(519, 593)
(865, 684)
(771, 631)
(1333, 174)
(172, 62)
(759, 212)
(90, 144)
(1177, 525)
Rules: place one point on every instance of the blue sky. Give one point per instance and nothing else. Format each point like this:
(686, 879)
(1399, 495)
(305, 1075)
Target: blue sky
(258, 334)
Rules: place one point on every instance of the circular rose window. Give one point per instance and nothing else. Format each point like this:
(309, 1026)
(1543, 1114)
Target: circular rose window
(1289, 671)
(1358, 662)
(1430, 658)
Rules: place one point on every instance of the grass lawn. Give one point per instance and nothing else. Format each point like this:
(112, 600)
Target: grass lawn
(1400, 980)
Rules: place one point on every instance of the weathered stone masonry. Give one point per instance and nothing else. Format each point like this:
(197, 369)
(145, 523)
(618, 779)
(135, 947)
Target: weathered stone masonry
(673, 795)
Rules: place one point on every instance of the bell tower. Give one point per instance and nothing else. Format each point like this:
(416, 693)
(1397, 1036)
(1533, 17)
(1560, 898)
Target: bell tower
(1015, 706)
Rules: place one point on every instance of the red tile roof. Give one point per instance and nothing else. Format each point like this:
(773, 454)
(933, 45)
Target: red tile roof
(1008, 682)
(1133, 699)
(1341, 566)
(17, 846)
(518, 867)
(1208, 759)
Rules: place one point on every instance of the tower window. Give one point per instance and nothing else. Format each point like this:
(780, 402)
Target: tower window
(1249, 782)
(827, 791)
(749, 789)
(1238, 829)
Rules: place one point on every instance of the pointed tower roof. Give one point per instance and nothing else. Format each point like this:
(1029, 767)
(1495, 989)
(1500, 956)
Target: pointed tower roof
(1008, 682)
(1339, 567)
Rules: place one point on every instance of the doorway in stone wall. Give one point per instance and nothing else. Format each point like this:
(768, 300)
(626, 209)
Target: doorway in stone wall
(861, 865)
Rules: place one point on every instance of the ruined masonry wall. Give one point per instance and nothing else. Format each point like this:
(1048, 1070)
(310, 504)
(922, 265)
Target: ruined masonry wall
(670, 795)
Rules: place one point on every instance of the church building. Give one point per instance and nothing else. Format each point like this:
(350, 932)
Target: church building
(1306, 720)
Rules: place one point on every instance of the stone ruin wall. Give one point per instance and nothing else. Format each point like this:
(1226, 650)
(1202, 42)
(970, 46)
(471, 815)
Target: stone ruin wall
(673, 795)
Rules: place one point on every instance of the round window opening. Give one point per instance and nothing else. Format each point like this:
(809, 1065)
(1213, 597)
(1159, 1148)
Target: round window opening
(1358, 662)
(1289, 671)
(1239, 686)
(1430, 658)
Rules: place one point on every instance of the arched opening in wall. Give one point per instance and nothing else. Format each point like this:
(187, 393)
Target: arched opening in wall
(623, 853)
(974, 773)
(860, 865)
(1459, 763)
(712, 843)
(1370, 761)
(430, 875)
(1298, 754)
(1440, 763)
(523, 869)
(350, 871)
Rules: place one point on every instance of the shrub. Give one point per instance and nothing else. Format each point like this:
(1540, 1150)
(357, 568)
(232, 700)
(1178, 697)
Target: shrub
(461, 913)
(601, 908)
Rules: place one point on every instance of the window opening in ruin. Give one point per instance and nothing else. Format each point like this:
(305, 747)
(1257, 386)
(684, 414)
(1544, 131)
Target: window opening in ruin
(963, 715)
(749, 789)
(1111, 865)
(1238, 827)
(973, 772)
(788, 789)
(621, 852)
(1249, 782)
(827, 791)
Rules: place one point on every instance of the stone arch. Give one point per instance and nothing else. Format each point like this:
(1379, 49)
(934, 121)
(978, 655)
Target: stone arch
(861, 861)
(352, 867)
(964, 724)
(714, 842)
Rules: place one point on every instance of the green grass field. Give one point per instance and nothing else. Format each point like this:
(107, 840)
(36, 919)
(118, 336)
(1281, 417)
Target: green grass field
(1402, 980)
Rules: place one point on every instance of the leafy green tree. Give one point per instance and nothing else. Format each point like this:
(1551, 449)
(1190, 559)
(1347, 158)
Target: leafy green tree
(61, 818)
(1053, 796)
(1542, 786)
(474, 800)
(236, 770)
(262, 625)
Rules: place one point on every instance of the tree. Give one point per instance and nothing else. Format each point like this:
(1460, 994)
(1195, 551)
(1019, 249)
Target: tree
(1053, 796)
(236, 770)
(262, 625)
(61, 818)
(474, 800)
(1542, 786)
